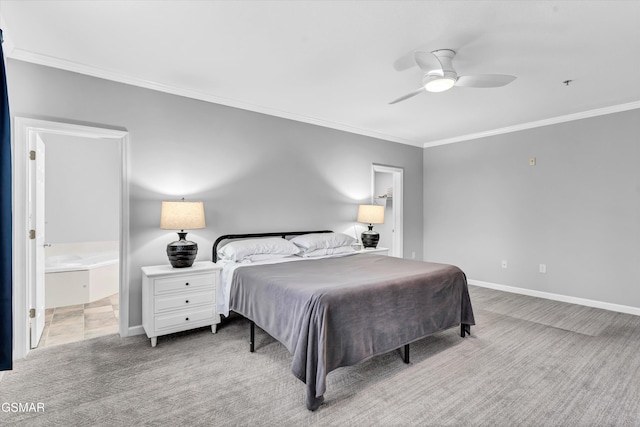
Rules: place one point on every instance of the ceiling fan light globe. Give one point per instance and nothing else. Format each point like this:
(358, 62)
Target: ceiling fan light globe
(439, 84)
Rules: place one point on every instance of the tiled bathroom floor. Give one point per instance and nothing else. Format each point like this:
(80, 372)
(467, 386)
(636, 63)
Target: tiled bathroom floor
(77, 322)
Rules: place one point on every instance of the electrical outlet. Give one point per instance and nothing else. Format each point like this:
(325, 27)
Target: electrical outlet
(532, 161)
(413, 255)
(504, 263)
(543, 268)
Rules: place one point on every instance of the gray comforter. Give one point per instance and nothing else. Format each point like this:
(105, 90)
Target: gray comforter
(339, 311)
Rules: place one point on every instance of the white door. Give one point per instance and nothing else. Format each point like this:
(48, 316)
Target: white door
(36, 220)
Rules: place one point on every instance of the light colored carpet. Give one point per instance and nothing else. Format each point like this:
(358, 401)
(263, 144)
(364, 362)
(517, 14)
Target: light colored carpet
(529, 362)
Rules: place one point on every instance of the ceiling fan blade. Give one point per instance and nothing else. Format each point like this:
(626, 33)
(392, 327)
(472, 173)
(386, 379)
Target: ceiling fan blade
(407, 96)
(484, 80)
(429, 63)
(405, 62)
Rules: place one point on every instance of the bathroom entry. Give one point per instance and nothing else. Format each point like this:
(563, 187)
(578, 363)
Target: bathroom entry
(81, 211)
(27, 296)
(387, 186)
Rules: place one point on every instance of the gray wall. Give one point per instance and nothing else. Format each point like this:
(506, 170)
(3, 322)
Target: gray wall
(577, 210)
(82, 183)
(254, 172)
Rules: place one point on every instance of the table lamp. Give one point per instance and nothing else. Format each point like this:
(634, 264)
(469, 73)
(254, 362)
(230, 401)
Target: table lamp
(370, 214)
(182, 216)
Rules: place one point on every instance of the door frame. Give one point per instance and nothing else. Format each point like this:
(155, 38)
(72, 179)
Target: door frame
(398, 203)
(24, 129)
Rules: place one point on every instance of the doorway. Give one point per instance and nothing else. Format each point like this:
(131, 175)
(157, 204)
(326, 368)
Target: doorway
(387, 190)
(28, 226)
(81, 231)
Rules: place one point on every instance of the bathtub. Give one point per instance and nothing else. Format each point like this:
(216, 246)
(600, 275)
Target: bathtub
(80, 278)
(76, 262)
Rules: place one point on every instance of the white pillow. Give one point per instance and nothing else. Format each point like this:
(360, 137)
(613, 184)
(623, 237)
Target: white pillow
(240, 250)
(327, 251)
(314, 241)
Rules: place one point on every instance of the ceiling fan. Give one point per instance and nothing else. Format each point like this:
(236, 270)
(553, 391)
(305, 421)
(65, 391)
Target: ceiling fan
(440, 75)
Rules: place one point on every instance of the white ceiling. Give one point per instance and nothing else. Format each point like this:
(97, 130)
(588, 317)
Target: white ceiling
(335, 63)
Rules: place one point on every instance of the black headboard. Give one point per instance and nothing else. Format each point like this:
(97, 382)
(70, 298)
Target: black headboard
(214, 254)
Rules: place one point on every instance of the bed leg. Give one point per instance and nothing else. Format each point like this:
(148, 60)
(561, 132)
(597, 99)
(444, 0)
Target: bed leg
(465, 329)
(405, 358)
(252, 335)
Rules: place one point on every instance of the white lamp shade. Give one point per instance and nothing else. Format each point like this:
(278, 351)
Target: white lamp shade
(371, 214)
(182, 216)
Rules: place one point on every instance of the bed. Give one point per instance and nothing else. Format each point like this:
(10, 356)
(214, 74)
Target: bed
(338, 308)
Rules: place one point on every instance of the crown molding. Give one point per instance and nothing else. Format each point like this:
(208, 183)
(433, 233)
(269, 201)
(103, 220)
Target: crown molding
(49, 61)
(539, 123)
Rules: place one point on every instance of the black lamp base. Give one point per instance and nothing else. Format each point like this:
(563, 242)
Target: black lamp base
(370, 238)
(182, 253)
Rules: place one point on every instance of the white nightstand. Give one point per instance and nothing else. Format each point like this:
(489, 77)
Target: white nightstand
(178, 299)
(375, 251)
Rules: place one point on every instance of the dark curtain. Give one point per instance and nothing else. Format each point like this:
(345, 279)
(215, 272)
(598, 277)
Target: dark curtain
(6, 309)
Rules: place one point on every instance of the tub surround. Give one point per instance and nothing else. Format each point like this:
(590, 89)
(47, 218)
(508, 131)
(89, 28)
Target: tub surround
(81, 286)
(79, 273)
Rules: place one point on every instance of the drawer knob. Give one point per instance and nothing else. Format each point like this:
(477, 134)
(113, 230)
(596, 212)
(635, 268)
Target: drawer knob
(187, 302)
(186, 284)
(186, 318)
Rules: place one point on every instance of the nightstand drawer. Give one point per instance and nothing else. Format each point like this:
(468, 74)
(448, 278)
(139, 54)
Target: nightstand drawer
(184, 300)
(163, 286)
(185, 318)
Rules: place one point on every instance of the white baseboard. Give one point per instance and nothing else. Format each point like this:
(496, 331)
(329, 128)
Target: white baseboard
(557, 297)
(135, 330)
